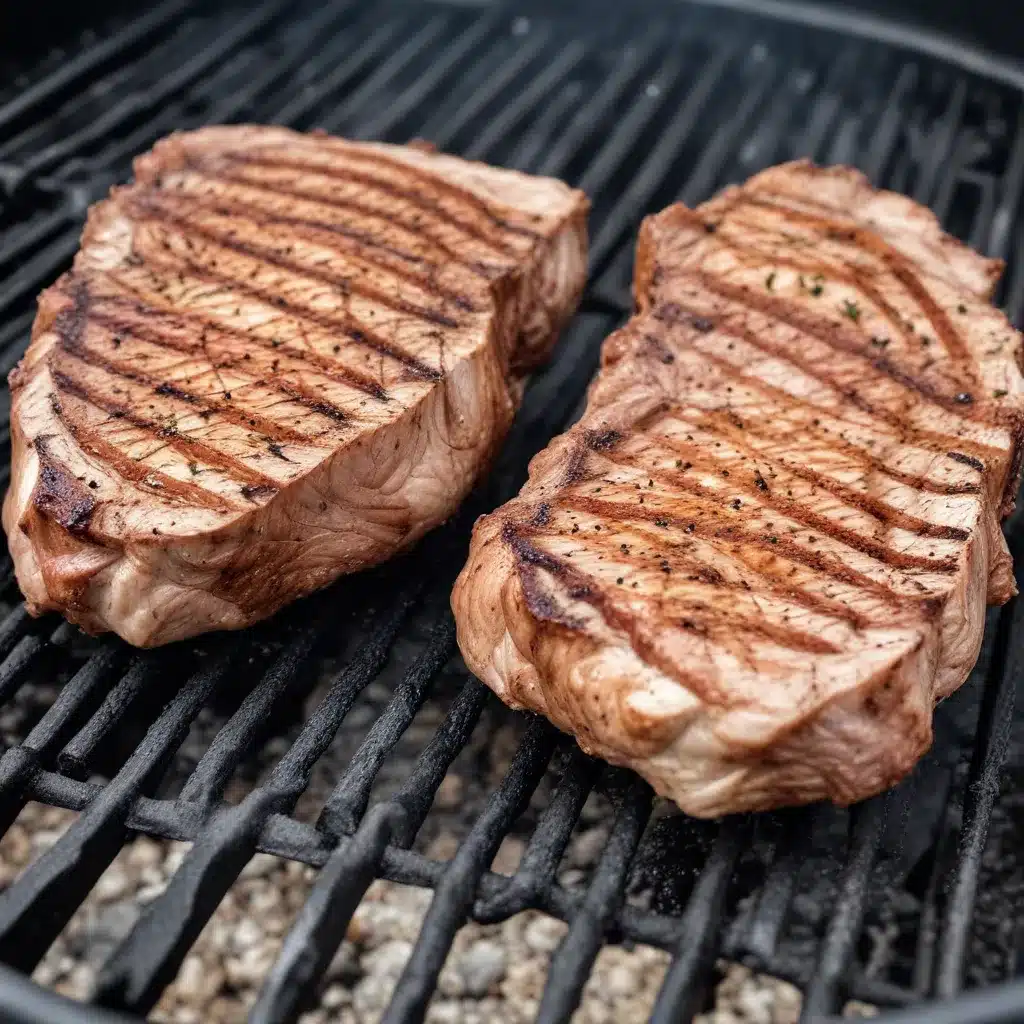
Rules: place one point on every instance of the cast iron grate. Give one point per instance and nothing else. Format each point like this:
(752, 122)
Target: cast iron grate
(637, 110)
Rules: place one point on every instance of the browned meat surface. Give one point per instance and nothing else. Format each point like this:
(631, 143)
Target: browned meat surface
(765, 552)
(278, 358)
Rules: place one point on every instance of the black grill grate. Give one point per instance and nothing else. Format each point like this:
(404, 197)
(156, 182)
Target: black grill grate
(696, 97)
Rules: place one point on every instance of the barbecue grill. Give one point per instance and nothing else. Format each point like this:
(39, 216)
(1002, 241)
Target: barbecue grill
(664, 101)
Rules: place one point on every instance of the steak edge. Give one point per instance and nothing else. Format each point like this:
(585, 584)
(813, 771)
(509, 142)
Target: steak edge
(765, 552)
(277, 358)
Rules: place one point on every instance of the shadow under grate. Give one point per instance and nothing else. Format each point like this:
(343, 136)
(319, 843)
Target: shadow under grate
(878, 903)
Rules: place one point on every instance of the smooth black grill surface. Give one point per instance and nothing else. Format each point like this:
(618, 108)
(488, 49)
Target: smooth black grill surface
(638, 110)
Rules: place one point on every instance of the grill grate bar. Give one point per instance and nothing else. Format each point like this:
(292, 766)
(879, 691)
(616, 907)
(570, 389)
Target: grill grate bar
(820, 999)
(454, 894)
(90, 60)
(620, 145)
(391, 68)
(573, 959)
(758, 933)
(142, 966)
(443, 130)
(512, 113)
(353, 63)
(351, 794)
(698, 930)
(417, 92)
(74, 760)
(536, 872)
(15, 666)
(43, 267)
(317, 932)
(940, 145)
(206, 783)
(887, 132)
(40, 903)
(578, 133)
(140, 103)
(652, 171)
(1010, 188)
(994, 726)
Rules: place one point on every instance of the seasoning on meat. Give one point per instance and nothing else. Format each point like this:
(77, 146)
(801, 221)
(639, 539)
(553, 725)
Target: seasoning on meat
(816, 579)
(278, 358)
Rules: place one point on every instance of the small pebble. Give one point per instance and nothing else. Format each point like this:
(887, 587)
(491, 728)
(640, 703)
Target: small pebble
(481, 966)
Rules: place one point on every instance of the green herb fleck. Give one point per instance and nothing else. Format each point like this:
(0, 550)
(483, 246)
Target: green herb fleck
(851, 309)
(769, 281)
(999, 392)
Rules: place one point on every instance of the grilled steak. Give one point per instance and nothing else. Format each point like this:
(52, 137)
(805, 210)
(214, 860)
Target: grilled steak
(277, 358)
(764, 553)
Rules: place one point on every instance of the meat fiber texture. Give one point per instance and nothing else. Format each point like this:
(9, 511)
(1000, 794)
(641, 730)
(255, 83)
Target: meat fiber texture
(278, 358)
(764, 553)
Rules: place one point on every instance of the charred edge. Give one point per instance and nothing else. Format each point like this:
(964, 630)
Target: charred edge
(156, 211)
(528, 560)
(967, 460)
(407, 194)
(865, 240)
(674, 313)
(180, 442)
(180, 317)
(860, 456)
(414, 366)
(661, 351)
(414, 227)
(363, 244)
(59, 496)
(603, 440)
(542, 516)
(253, 492)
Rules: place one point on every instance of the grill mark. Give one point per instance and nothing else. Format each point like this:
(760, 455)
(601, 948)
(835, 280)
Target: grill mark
(967, 460)
(443, 184)
(707, 576)
(837, 336)
(148, 307)
(59, 495)
(426, 178)
(414, 227)
(154, 211)
(856, 279)
(359, 334)
(582, 586)
(879, 510)
(770, 498)
(827, 565)
(363, 243)
(898, 264)
(927, 439)
(135, 473)
(864, 458)
(242, 419)
(182, 443)
(407, 194)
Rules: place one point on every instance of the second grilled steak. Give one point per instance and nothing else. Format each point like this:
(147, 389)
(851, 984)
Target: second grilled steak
(278, 358)
(764, 554)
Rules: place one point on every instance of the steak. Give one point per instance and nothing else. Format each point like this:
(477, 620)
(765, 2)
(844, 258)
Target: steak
(277, 358)
(764, 553)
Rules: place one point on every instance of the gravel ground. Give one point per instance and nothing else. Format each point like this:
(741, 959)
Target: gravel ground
(494, 975)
